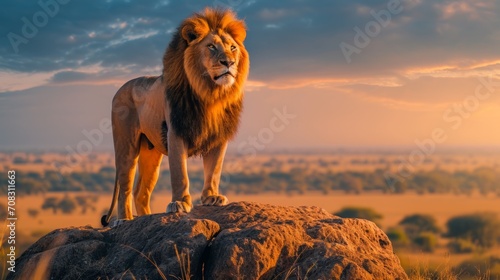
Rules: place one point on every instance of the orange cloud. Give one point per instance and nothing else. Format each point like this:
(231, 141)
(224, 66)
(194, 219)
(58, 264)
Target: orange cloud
(473, 10)
(460, 69)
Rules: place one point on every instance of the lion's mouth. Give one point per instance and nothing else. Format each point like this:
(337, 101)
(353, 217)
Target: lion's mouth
(222, 75)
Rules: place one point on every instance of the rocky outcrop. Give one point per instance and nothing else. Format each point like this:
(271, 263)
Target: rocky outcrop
(239, 241)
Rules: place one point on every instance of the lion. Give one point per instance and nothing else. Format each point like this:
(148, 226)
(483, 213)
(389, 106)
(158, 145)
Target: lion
(192, 109)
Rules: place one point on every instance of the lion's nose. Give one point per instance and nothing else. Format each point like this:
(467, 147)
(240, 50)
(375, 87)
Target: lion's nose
(227, 63)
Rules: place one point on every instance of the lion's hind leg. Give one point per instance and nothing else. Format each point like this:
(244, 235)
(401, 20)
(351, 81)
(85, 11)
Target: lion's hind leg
(126, 138)
(149, 170)
(126, 163)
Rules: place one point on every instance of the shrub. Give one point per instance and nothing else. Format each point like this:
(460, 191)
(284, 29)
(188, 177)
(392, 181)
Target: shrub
(461, 246)
(427, 241)
(398, 237)
(482, 229)
(33, 212)
(360, 212)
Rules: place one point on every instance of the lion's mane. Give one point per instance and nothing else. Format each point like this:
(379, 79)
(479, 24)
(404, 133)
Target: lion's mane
(203, 114)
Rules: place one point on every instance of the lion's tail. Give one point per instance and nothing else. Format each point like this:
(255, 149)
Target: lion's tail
(105, 219)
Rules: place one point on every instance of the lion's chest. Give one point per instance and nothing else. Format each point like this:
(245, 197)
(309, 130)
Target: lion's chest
(204, 127)
(218, 127)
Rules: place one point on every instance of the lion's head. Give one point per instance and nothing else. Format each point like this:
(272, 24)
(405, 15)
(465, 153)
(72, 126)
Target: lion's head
(209, 49)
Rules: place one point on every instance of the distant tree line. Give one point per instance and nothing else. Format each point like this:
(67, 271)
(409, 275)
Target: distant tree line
(68, 204)
(298, 181)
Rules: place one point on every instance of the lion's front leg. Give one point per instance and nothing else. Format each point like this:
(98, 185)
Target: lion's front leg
(212, 165)
(177, 158)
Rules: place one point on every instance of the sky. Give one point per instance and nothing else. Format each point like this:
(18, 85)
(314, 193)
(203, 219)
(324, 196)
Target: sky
(323, 74)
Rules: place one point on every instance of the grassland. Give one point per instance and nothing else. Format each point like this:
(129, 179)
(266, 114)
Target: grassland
(34, 222)
(392, 207)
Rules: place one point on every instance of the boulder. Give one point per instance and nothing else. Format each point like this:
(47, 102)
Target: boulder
(242, 240)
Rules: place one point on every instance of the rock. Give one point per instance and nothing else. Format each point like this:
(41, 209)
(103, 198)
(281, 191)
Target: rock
(242, 240)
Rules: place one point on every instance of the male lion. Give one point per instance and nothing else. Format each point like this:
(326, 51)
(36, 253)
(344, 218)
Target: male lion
(193, 108)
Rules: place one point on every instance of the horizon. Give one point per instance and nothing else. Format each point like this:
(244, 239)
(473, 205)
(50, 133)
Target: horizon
(332, 150)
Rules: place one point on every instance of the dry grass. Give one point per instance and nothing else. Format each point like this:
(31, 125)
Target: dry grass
(153, 262)
(184, 264)
(438, 267)
(422, 269)
(392, 207)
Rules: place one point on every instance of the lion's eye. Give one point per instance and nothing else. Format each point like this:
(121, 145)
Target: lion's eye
(233, 48)
(211, 47)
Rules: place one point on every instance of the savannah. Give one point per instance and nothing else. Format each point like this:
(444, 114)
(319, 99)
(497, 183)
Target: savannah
(449, 185)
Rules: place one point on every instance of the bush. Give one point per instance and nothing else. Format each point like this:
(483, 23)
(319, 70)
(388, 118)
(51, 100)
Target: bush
(360, 212)
(482, 229)
(460, 246)
(426, 241)
(398, 237)
(33, 212)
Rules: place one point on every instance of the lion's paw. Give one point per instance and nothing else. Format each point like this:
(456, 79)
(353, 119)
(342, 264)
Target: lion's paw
(214, 200)
(178, 207)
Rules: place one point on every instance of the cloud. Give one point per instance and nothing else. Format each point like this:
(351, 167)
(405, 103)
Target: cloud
(70, 76)
(291, 43)
(80, 33)
(429, 94)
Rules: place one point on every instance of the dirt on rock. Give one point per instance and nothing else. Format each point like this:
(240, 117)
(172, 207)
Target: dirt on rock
(242, 240)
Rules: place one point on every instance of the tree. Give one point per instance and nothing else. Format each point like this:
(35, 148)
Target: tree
(50, 203)
(351, 184)
(67, 205)
(400, 186)
(360, 212)
(416, 224)
(427, 241)
(482, 229)
(86, 202)
(19, 160)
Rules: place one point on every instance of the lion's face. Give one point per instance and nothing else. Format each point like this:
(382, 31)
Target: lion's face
(209, 53)
(220, 57)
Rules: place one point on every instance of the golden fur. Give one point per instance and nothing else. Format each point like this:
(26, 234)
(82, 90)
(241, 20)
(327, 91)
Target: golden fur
(193, 108)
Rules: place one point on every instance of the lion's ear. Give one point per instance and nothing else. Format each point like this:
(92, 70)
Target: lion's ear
(237, 29)
(194, 29)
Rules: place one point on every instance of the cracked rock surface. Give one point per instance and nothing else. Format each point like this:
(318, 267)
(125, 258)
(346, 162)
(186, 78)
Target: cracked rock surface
(242, 240)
